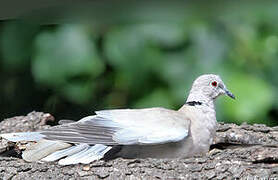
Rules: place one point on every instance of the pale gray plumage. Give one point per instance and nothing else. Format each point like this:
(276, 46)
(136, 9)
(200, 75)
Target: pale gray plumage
(65, 152)
(150, 132)
(87, 155)
(24, 136)
(125, 127)
(42, 149)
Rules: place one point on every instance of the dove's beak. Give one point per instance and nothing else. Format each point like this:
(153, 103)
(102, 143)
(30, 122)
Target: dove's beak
(228, 93)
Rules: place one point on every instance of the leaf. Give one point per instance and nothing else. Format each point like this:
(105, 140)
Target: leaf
(16, 44)
(158, 98)
(64, 55)
(254, 98)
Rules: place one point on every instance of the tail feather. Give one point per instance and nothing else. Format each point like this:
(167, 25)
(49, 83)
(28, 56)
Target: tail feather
(50, 150)
(86, 156)
(73, 159)
(95, 153)
(65, 152)
(42, 149)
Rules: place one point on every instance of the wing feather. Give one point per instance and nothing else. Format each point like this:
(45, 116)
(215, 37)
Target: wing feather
(125, 127)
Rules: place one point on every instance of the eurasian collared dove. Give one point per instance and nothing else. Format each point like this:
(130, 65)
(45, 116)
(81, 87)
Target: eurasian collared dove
(132, 133)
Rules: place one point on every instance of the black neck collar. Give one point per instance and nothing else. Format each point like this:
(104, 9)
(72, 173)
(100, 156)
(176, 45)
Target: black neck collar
(194, 103)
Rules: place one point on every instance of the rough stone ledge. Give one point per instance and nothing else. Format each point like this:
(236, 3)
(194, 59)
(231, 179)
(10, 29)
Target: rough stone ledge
(239, 152)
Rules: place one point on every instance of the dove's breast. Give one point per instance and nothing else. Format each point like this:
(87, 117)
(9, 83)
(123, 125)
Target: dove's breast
(203, 127)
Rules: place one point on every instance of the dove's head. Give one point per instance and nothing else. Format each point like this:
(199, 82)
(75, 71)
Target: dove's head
(209, 86)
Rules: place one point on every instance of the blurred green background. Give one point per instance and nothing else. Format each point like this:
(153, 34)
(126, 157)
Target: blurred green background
(102, 56)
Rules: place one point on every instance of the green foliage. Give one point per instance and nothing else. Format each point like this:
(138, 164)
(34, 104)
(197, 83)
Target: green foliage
(148, 63)
(254, 98)
(16, 44)
(64, 55)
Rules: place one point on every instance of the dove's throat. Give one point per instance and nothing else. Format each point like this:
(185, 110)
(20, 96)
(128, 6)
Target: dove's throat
(198, 97)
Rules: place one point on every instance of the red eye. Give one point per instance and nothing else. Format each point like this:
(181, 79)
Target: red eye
(214, 83)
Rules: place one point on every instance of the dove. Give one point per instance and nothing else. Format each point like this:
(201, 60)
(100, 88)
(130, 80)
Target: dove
(132, 133)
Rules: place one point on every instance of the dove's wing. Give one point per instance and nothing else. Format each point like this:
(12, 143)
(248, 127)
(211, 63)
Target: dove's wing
(125, 126)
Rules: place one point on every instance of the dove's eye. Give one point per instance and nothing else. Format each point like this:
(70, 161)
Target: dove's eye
(214, 83)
